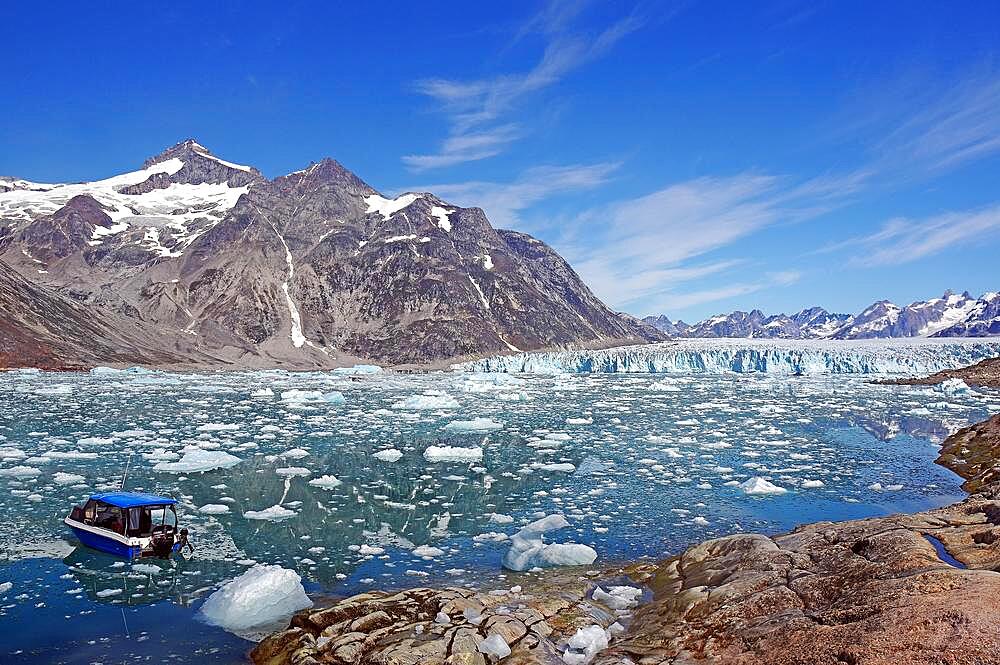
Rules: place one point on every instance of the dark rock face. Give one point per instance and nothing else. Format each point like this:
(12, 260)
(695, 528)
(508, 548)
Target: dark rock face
(42, 328)
(310, 269)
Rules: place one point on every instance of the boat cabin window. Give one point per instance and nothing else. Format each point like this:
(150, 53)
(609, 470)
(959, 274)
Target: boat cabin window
(143, 521)
(107, 516)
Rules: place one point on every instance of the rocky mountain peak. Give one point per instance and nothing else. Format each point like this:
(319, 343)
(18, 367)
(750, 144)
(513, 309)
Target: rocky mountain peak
(190, 162)
(325, 174)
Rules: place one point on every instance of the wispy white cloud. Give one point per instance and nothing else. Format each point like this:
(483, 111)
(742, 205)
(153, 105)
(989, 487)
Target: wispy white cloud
(474, 107)
(638, 252)
(949, 127)
(504, 202)
(904, 240)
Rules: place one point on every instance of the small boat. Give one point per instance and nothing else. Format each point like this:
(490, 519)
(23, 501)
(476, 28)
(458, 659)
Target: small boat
(129, 524)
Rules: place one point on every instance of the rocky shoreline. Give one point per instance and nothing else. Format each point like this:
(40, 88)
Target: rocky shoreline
(984, 374)
(902, 589)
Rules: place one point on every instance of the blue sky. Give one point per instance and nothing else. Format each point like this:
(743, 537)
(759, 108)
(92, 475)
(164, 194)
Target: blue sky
(687, 158)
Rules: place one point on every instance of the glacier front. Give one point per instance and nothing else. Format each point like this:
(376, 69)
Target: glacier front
(722, 356)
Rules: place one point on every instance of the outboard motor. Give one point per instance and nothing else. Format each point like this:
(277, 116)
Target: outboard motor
(162, 545)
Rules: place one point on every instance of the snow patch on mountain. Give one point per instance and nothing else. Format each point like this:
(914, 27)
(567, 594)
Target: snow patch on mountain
(389, 207)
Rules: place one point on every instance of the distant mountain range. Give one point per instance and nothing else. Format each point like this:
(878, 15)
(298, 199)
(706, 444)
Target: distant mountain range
(951, 315)
(195, 260)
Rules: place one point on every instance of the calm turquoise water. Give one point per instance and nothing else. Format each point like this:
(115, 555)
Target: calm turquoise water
(656, 462)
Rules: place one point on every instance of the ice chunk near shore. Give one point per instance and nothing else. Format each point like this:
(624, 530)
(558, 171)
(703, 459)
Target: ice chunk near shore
(953, 387)
(757, 486)
(475, 425)
(453, 454)
(528, 549)
(259, 599)
(196, 460)
(585, 644)
(494, 645)
(618, 597)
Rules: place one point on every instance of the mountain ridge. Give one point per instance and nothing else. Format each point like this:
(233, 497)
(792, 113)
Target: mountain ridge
(313, 268)
(951, 315)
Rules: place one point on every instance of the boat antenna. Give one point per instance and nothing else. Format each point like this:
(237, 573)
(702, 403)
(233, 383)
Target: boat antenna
(125, 475)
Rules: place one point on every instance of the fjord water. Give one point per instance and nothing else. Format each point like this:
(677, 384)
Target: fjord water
(641, 465)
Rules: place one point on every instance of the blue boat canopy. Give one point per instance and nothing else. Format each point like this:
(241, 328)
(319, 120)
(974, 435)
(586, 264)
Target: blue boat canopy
(132, 499)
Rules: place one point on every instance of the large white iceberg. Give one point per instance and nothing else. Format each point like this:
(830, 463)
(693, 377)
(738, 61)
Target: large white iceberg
(475, 425)
(453, 454)
(256, 601)
(196, 460)
(757, 486)
(529, 550)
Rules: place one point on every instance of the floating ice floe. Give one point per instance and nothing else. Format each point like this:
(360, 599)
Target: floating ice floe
(474, 425)
(428, 551)
(358, 369)
(61, 478)
(262, 393)
(60, 389)
(529, 550)
(197, 460)
(758, 486)
(218, 427)
(272, 514)
(258, 599)
(390, 455)
(453, 454)
(428, 401)
(563, 467)
(20, 472)
(214, 509)
(292, 471)
(810, 484)
(326, 482)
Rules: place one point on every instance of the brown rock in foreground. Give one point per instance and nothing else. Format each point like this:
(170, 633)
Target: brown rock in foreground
(973, 452)
(410, 627)
(870, 591)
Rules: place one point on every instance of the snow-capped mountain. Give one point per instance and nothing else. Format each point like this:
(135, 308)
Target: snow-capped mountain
(951, 315)
(809, 323)
(310, 269)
